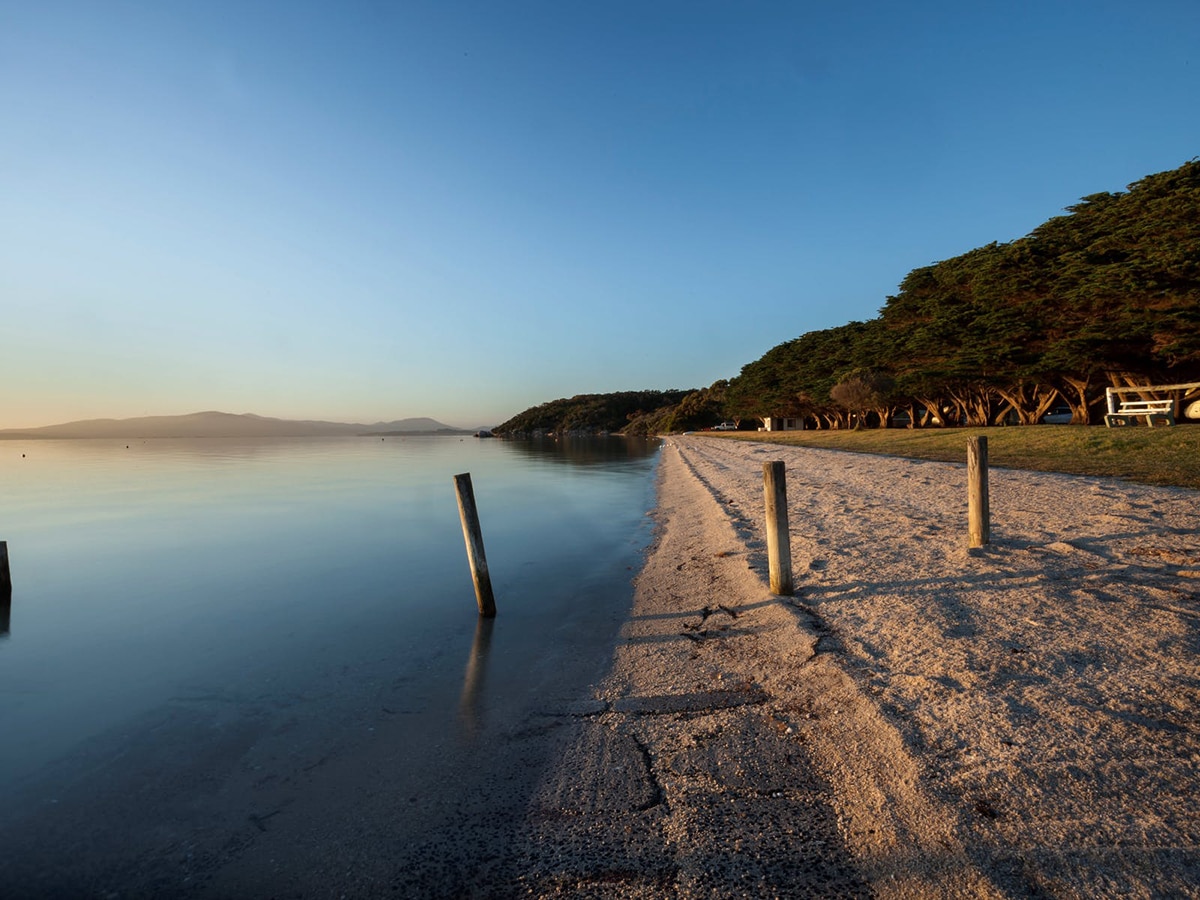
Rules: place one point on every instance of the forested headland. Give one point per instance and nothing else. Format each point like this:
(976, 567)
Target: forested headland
(595, 413)
(1107, 295)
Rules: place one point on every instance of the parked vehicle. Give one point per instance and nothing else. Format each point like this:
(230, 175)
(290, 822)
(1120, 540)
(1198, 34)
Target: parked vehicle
(1059, 415)
(725, 426)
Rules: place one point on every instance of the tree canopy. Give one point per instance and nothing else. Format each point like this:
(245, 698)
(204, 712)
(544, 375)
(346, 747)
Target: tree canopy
(1107, 294)
(592, 413)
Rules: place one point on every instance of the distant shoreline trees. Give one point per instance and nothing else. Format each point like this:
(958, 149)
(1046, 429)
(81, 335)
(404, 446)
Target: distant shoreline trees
(593, 413)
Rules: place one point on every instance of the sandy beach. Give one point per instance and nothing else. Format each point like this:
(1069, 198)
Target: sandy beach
(921, 720)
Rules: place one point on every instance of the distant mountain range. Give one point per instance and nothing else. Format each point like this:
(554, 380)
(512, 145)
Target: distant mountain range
(219, 424)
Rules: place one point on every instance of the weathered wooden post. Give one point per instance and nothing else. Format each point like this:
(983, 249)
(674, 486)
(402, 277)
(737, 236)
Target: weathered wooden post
(978, 514)
(5, 575)
(473, 537)
(779, 541)
(5, 590)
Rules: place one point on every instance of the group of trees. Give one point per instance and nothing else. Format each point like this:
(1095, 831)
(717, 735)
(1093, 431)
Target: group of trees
(1107, 295)
(593, 413)
(698, 409)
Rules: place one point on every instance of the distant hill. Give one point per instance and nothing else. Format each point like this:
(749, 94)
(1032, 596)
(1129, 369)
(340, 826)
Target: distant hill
(219, 424)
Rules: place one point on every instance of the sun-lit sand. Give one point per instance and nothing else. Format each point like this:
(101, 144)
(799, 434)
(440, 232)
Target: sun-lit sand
(922, 720)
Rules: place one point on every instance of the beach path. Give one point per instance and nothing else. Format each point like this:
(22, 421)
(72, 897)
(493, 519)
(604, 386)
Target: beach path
(922, 719)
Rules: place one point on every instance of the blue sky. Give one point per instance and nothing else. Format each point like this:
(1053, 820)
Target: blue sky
(369, 211)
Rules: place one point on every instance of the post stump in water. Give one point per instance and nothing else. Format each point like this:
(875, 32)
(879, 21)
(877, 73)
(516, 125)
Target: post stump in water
(473, 537)
(5, 575)
(5, 590)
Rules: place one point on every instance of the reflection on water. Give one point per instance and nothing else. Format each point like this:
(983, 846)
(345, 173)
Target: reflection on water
(277, 568)
(473, 679)
(598, 451)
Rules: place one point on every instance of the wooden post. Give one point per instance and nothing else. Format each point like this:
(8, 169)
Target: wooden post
(978, 514)
(5, 575)
(5, 590)
(474, 540)
(779, 541)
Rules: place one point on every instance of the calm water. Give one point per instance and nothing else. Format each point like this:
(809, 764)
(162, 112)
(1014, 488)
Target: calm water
(174, 570)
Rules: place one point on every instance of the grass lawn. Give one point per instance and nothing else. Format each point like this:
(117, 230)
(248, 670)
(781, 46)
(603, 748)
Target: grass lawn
(1150, 455)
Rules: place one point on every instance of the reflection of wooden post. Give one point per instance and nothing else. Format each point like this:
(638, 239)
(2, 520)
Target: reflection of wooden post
(474, 540)
(779, 541)
(978, 514)
(468, 703)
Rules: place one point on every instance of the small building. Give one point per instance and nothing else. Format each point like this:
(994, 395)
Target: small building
(782, 423)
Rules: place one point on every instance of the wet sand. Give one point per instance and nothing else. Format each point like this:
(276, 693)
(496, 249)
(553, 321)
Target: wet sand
(921, 720)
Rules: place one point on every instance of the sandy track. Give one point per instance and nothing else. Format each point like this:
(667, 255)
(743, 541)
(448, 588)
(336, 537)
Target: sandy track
(923, 720)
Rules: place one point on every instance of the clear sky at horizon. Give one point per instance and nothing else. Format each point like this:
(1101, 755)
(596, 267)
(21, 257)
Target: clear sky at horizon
(368, 211)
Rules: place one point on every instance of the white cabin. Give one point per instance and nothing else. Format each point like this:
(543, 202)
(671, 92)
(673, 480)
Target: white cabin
(782, 423)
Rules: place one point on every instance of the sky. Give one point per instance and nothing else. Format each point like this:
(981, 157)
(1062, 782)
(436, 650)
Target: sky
(368, 211)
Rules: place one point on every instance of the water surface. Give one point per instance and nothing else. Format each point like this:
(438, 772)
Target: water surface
(306, 574)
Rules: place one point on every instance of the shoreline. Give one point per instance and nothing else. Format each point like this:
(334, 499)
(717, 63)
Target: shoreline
(922, 720)
(727, 757)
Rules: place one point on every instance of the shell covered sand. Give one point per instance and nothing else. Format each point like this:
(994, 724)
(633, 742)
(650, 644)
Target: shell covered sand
(921, 720)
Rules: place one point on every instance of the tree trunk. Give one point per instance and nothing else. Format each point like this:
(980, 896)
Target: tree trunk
(1077, 399)
(933, 412)
(974, 403)
(998, 418)
(1031, 401)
